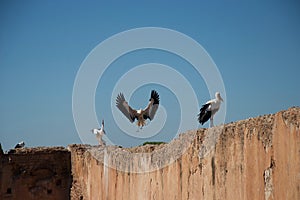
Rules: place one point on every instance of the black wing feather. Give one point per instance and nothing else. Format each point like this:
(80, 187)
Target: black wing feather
(204, 114)
(154, 106)
(155, 97)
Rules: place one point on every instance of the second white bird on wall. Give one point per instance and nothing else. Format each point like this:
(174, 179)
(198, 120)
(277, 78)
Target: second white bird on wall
(99, 134)
(142, 114)
(209, 109)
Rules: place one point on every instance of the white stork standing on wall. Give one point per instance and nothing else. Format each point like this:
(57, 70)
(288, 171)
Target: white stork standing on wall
(209, 109)
(99, 134)
(141, 115)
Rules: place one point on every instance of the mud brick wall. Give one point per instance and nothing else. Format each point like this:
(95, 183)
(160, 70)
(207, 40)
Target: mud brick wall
(35, 173)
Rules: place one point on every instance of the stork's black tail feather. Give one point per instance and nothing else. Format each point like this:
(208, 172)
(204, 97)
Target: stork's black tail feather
(204, 114)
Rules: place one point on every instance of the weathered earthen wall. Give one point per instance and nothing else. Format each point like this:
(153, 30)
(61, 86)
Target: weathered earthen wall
(251, 159)
(35, 173)
(257, 158)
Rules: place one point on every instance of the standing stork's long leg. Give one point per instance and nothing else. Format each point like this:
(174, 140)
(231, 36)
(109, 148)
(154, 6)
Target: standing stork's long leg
(211, 122)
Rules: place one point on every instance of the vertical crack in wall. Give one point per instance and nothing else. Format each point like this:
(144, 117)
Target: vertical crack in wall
(213, 174)
(180, 176)
(268, 180)
(213, 170)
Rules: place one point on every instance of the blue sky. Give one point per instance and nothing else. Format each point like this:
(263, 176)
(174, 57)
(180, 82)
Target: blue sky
(255, 45)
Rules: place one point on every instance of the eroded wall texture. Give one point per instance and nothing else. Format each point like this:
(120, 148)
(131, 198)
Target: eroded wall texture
(35, 173)
(257, 158)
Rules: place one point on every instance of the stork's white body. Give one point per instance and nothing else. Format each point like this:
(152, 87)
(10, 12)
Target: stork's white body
(99, 134)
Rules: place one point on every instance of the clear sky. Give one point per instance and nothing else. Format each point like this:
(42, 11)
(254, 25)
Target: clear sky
(254, 44)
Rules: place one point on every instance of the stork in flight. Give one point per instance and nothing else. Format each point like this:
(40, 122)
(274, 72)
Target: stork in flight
(141, 115)
(209, 109)
(99, 134)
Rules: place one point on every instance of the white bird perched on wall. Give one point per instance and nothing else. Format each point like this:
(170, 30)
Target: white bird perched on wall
(20, 145)
(209, 109)
(142, 114)
(99, 134)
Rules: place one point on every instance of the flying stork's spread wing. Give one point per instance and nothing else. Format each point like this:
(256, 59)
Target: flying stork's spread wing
(123, 106)
(152, 107)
